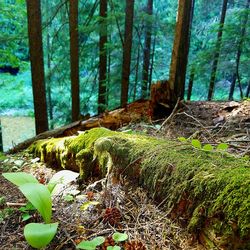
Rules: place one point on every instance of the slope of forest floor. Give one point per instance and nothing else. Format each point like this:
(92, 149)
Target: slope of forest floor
(143, 220)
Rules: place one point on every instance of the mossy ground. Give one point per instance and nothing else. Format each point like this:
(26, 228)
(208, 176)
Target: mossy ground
(208, 189)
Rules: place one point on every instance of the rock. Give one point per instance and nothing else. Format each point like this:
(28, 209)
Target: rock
(19, 163)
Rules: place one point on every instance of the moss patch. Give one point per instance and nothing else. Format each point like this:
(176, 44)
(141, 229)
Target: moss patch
(208, 189)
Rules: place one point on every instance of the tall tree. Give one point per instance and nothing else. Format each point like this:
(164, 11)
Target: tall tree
(74, 59)
(128, 36)
(37, 65)
(238, 54)
(217, 50)
(147, 50)
(102, 93)
(48, 78)
(179, 58)
(192, 72)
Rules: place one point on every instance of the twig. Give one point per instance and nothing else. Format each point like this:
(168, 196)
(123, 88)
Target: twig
(171, 115)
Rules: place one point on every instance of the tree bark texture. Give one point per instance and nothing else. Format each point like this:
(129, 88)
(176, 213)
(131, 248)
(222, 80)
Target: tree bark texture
(217, 51)
(180, 50)
(190, 84)
(48, 78)
(37, 65)
(147, 50)
(127, 48)
(102, 92)
(74, 59)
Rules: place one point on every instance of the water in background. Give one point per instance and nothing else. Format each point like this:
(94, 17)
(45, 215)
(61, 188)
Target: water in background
(16, 130)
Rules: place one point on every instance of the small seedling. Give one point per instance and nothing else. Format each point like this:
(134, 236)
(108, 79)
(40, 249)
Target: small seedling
(92, 244)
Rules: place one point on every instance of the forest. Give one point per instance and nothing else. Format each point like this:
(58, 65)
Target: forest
(124, 124)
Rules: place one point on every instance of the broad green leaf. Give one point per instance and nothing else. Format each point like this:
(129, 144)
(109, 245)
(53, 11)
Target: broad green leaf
(208, 147)
(87, 245)
(20, 178)
(98, 240)
(86, 204)
(182, 139)
(117, 237)
(68, 197)
(113, 248)
(40, 198)
(222, 146)
(26, 217)
(91, 245)
(196, 143)
(39, 235)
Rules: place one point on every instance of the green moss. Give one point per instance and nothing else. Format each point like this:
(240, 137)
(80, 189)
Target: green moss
(216, 182)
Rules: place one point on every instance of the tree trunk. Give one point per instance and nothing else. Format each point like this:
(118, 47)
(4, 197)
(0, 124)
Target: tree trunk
(147, 50)
(151, 65)
(127, 48)
(37, 65)
(232, 87)
(248, 90)
(217, 50)
(102, 105)
(180, 50)
(241, 42)
(191, 82)
(74, 59)
(137, 70)
(48, 82)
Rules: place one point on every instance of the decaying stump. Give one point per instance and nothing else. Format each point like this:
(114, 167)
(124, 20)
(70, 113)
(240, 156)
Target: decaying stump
(208, 191)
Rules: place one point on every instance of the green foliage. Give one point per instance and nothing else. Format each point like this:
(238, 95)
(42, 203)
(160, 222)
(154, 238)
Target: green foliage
(40, 198)
(37, 235)
(91, 245)
(97, 241)
(118, 237)
(20, 178)
(26, 211)
(40, 235)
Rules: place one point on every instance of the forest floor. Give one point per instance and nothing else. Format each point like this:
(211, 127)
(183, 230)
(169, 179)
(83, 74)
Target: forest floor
(83, 211)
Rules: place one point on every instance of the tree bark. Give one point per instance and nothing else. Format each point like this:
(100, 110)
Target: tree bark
(248, 90)
(48, 82)
(147, 50)
(74, 59)
(191, 82)
(217, 50)
(37, 65)
(232, 87)
(127, 48)
(180, 50)
(102, 93)
(151, 65)
(241, 42)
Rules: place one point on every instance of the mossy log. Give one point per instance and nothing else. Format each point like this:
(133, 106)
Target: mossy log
(208, 191)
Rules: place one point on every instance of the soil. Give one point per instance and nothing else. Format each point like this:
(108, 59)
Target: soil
(122, 208)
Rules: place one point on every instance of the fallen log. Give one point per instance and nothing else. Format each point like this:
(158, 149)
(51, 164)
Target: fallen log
(207, 191)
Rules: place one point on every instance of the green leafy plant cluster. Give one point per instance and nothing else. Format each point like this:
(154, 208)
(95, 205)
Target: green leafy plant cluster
(207, 147)
(38, 235)
(97, 241)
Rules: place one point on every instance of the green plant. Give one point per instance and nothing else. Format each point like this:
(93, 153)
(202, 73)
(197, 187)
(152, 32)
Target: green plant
(26, 211)
(92, 244)
(207, 147)
(38, 235)
(97, 241)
